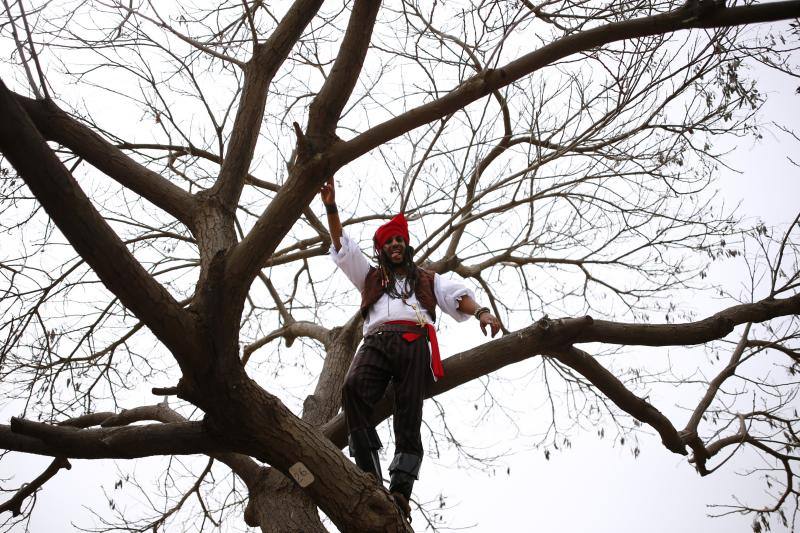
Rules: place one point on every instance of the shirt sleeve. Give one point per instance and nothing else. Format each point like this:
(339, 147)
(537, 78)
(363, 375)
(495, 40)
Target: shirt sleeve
(448, 293)
(351, 261)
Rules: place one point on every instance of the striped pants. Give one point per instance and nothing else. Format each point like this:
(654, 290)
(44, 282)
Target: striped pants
(385, 357)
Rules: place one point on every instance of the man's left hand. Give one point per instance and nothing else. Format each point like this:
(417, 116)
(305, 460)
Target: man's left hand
(488, 319)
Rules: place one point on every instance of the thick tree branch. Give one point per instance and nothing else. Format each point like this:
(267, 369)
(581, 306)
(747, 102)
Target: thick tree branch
(247, 258)
(242, 465)
(260, 423)
(56, 125)
(87, 231)
(165, 391)
(708, 329)
(248, 470)
(485, 82)
(547, 335)
(251, 254)
(87, 420)
(267, 500)
(182, 438)
(259, 71)
(326, 108)
(324, 403)
(615, 390)
(245, 467)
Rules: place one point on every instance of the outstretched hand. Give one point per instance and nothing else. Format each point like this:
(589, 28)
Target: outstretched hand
(328, 192)
(488, 319)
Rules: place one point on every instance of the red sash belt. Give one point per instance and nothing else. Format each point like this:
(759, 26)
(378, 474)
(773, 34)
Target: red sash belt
(436, 358)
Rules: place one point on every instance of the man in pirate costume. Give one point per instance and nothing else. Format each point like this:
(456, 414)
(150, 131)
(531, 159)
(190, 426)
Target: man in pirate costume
(398, 303)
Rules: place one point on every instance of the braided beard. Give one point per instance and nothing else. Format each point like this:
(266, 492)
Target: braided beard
(389, 275)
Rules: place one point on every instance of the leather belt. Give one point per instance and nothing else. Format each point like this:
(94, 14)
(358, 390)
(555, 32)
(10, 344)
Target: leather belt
(399, 328)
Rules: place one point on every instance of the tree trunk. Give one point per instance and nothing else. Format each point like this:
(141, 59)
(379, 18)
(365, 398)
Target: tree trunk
(278, 505)
(257, 422)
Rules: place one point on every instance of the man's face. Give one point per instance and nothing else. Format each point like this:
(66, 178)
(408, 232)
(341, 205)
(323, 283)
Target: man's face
(395, 249)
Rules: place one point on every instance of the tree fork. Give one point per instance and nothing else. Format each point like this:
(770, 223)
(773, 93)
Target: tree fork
(250, 418)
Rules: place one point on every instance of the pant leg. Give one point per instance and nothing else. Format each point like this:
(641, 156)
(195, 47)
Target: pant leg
(412, 376)
(365, 383)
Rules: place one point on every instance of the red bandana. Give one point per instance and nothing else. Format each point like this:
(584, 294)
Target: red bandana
(396, 226)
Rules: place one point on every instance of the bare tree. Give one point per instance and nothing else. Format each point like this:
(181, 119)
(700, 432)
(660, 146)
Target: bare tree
(560, 155)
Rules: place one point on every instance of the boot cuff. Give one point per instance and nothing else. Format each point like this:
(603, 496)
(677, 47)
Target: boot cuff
(363, 439)
(407, 463)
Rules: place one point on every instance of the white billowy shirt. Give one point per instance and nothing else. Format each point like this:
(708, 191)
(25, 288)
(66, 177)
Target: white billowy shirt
(355, 266)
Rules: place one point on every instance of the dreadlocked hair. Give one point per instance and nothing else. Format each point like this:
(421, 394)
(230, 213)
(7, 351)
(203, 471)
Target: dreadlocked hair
(389, 275)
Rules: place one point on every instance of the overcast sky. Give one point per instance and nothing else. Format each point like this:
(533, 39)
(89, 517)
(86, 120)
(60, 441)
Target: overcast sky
(597, 485)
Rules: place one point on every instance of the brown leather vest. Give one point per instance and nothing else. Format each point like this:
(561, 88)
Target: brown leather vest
(372, 291)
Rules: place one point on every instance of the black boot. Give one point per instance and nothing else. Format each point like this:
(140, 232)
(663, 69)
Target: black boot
(403, 471)
(364, 446)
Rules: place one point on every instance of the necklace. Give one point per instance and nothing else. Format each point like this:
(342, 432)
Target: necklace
(405, 291)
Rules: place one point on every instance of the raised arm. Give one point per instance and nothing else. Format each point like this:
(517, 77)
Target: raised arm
(346, 253)
(328, 195)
